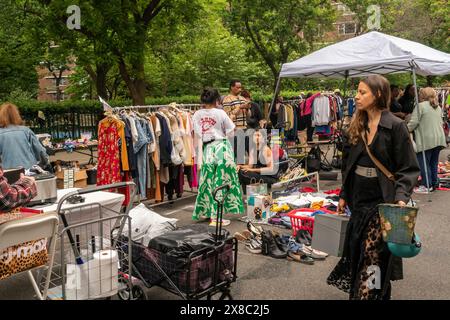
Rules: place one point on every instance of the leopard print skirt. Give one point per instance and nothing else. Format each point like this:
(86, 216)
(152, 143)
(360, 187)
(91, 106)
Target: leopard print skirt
(353, 272)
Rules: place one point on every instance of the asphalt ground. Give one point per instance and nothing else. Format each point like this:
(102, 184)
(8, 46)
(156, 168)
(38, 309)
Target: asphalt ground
(264, 278)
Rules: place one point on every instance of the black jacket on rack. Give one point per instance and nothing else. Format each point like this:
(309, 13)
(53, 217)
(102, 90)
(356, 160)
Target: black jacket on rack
(165, 143)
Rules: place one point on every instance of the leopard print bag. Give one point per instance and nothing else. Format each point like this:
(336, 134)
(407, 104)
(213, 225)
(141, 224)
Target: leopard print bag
(23, 256)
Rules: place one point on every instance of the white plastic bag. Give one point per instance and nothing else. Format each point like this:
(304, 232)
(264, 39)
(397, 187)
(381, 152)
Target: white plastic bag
(147, 224)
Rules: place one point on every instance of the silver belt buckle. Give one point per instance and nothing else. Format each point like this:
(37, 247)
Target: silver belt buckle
(369, 172)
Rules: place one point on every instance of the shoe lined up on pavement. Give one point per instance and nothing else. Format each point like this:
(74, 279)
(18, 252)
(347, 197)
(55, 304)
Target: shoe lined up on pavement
(423, 189)
(225, 222)
(271, 243)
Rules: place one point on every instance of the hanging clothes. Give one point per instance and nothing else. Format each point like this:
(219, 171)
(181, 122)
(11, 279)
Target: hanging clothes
(112, 151)
(321, 113)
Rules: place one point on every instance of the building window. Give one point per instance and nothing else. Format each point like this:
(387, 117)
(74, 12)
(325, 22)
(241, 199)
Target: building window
(347, 28)
(62, 82)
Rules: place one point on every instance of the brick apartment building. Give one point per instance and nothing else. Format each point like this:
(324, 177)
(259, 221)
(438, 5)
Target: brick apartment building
(345, 26)
(47, 84)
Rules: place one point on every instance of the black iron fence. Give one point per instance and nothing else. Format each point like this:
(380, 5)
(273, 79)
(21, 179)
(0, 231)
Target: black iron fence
(62, 126)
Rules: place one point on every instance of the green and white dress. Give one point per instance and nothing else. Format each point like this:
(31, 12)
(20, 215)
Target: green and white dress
(218, 167)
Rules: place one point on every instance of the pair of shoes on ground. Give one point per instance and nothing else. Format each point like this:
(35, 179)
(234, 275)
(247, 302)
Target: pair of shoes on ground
(273, 246)
(243, 236)
(251, 238)
(303, 237)
(252, 243)
(423, 189)
(225, 222)
(315, 254)
(213, 221)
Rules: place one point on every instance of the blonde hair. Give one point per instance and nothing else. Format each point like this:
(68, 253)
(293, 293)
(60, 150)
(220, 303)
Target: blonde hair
(428, 94)
(9, 115)
(380, 88)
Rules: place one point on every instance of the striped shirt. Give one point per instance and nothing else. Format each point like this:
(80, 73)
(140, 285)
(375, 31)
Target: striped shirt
(231, 105)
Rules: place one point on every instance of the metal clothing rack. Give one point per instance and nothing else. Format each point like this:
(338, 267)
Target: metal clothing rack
(174, 105)
(292, 101)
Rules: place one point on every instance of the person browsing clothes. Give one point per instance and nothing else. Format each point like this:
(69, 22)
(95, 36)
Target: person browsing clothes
(212, 127)
(19, 146)
(427, 124)
(374, 133)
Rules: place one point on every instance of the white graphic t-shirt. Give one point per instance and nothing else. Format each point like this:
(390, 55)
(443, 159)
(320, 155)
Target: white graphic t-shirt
(212, 124)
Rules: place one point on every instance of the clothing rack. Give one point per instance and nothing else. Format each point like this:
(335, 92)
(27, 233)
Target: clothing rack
(173, 105)
(292, 101)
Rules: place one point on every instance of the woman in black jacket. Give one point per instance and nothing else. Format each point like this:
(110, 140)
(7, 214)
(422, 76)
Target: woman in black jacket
(364, 186)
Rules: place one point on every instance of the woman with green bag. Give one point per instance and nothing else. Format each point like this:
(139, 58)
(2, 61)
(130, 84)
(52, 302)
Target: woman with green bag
(379, 166)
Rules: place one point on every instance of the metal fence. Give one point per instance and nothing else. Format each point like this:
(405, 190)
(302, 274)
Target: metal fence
(65, 125)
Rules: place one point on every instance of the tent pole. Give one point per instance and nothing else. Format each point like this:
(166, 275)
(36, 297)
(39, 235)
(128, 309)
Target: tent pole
(345, 84)
(413, 68)
(277, 88)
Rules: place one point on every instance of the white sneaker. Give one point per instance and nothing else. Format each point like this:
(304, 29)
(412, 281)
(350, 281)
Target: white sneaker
(421, 189)
(224, 222)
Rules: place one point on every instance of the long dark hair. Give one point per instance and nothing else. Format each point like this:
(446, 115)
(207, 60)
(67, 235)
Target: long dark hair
(406, 95)
(380, 88)
(210, 96)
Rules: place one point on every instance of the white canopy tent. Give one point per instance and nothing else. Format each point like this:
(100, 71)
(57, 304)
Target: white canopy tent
(370, 53)
(367, 54)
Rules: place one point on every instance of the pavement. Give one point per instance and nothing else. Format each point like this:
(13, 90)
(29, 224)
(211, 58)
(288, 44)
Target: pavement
(264, 278)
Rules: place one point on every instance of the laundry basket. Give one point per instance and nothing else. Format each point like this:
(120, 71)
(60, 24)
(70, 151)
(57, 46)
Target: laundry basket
(300, 221)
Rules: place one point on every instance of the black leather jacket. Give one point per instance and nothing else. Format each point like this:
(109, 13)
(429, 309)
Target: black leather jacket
(393, 148)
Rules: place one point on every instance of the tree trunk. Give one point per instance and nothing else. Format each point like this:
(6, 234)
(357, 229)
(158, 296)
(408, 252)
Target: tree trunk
(139, 96)
(430, 81)
(100, 83)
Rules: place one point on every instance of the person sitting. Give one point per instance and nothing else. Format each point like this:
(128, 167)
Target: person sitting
(19, 146)
(263, 162)
(17, 194)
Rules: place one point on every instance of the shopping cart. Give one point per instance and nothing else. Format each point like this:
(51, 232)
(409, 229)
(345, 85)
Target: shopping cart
(90, 264)
(206, 272)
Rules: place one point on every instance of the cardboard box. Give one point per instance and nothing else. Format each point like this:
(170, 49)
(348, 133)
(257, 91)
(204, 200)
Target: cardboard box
(329, 233)
(69, 178)
(258, 207)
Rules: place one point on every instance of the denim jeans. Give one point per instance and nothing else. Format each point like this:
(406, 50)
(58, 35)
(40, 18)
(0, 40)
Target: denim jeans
(430, 165)
(141, 153)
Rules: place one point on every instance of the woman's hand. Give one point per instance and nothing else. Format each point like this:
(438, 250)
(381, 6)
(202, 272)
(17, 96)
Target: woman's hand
(401, 203)
(341, 206)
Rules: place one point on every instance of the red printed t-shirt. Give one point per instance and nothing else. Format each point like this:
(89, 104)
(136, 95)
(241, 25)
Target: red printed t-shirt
(212, 124)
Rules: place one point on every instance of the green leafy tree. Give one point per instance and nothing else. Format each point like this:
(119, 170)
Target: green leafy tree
(115, 30)
(279, 29)
(18, 56)
(205, 54)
